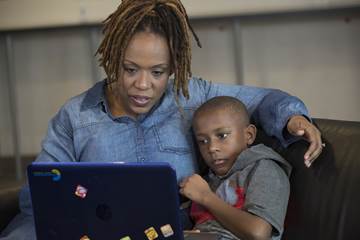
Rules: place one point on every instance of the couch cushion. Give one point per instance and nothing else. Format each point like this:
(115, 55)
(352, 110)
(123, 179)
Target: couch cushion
(324, 199)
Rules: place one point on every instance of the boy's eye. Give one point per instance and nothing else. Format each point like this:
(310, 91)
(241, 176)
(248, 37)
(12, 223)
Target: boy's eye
(202, 141)
(222, 135)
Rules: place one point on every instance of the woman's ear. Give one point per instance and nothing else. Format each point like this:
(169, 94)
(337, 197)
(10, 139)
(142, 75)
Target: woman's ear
(250, 134)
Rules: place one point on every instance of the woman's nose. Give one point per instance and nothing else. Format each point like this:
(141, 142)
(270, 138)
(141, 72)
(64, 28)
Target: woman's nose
(143, 81)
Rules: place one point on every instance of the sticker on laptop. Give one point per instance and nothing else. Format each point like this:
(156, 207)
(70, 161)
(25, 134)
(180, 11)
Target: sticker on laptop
(84, 238)
(55, 174)
(81, 191)
(125, 238)
(151, 233)
(167, 230)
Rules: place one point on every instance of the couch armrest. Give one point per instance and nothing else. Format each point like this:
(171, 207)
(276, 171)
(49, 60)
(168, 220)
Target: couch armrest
(9, 203)
(324, 199)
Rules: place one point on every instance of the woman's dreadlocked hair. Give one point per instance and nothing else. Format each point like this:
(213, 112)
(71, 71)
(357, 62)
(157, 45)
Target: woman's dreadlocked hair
(165, 17)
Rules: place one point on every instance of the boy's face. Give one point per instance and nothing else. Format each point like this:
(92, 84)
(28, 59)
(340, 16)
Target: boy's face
(221, 136)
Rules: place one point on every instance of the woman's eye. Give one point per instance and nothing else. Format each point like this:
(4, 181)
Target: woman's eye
(157, 73)
(130, 70)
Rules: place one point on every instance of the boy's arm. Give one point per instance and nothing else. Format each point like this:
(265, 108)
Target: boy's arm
(267, 193)
(241, 223)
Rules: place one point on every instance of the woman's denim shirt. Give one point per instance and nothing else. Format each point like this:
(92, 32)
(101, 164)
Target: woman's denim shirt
(85, 131)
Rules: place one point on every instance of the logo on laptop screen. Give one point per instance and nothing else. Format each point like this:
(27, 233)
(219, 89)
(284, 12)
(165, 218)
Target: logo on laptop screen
(55, 174)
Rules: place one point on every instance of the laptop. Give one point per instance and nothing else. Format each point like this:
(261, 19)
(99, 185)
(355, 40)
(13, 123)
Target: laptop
(122, 201)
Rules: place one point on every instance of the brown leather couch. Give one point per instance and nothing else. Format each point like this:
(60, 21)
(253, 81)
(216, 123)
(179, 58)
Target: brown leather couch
(9, 190)
(325, 199)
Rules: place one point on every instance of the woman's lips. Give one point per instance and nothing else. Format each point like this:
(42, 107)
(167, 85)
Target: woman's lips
(140, 101)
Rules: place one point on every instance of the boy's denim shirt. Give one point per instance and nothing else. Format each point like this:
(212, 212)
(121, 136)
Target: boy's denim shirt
(85, 131)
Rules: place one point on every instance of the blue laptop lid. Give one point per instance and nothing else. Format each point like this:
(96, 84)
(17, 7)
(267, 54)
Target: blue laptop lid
(105, 201)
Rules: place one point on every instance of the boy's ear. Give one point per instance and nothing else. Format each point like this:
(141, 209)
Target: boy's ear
(250, 134)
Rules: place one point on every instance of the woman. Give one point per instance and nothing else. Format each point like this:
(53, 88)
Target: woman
(141, 114)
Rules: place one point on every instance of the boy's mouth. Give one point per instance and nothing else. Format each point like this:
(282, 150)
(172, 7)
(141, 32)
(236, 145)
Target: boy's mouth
(219, 162)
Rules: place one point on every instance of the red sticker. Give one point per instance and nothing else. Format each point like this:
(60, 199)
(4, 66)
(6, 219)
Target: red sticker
(81, 191)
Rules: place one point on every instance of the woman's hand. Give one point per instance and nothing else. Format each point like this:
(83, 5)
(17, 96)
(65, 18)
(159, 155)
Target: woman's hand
(299, 126)
(195, 188)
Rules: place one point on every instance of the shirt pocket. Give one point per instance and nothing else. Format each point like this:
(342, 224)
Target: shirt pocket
(174, 137)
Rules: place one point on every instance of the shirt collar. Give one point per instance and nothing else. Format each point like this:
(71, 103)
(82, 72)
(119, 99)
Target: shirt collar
(94, 96)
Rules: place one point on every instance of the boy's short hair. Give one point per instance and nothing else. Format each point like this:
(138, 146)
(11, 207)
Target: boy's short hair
(231, 104)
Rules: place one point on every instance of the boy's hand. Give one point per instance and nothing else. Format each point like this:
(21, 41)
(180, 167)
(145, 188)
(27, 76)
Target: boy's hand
(195, 188)
(299, 126)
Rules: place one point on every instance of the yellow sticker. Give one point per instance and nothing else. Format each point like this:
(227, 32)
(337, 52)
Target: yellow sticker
(125, 238)
(151, 233)
(167, 230)
(84, 238)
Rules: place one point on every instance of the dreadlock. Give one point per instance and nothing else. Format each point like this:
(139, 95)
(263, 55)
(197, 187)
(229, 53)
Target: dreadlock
(165, 17)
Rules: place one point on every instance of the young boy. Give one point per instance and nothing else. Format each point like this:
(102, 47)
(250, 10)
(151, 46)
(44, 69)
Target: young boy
(246, 191)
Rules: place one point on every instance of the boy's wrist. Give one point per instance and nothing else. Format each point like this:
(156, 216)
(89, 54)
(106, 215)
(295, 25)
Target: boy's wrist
(208, 198)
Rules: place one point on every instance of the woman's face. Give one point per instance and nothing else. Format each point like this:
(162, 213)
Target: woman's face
(146, 70)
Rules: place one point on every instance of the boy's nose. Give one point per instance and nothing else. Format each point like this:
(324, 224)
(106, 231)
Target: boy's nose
(213, 147)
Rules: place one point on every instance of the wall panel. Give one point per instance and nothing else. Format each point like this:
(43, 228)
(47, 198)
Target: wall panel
(315, 58)
(215, 60)
(50, 67)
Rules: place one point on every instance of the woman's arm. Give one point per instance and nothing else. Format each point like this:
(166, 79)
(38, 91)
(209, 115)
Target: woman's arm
(57, 146)
(278, 113)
